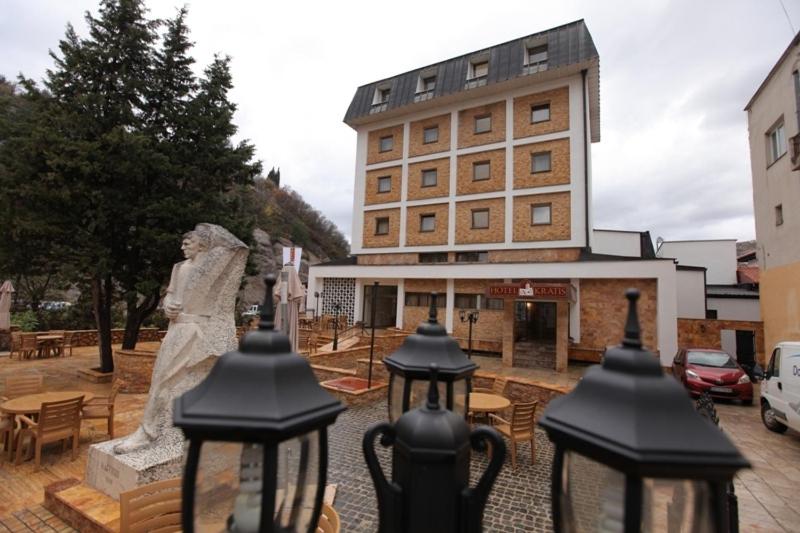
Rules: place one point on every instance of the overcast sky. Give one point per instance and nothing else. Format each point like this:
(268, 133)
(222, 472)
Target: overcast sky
(674, 79)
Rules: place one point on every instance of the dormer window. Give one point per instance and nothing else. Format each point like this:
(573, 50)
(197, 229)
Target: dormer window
(536, 57)
(428, 84)
(479, 69)
(383, 95)
(381, 99)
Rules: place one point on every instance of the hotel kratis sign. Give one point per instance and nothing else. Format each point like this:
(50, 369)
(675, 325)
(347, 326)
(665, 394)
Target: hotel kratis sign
(530, 291)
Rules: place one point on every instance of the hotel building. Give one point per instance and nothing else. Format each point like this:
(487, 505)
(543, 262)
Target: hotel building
(473, 179)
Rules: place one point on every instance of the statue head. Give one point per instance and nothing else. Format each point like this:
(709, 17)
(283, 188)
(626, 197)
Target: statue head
(196, 241)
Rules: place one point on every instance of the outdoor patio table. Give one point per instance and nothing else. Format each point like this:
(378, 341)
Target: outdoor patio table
(48, 344)
(32, 403)
(483, 402)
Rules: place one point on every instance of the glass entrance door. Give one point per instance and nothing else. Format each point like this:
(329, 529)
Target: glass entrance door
(385, 309)
(535, 321)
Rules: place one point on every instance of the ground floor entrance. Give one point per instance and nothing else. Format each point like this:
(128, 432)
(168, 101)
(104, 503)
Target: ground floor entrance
(535, 334)
(385, 299)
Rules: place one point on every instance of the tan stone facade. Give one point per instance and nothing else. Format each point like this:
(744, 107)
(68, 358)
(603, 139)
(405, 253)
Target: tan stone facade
(415, 236)
(559, 227)
(442, 188)
(558, 99)
(707, 333)
(604, 310)
(466, 125)
(497, 172)
(417, 145)
(544, 255)
(486, 328)
(559, 173)
(466, 234)
(373, 195)
(388, 259)
(392, 238)
(374, 154)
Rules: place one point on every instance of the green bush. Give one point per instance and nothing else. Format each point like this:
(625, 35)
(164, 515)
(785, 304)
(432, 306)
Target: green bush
(26, 320)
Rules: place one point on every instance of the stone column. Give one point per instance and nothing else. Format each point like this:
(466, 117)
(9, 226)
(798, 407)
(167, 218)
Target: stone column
(562, 335)
(508, 333)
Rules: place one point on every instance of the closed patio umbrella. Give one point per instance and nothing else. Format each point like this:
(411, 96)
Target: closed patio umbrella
(6, 293)
(296, 296)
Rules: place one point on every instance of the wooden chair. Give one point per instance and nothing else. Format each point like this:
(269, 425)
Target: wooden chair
(58, 421)
(154, 507)
(7, 432)
(16, 345)
(28, 345)
(103, 407)
(69, 342)
(313, 342)
(328, 520)
(22, 385)
(519, 429)
(499, 386)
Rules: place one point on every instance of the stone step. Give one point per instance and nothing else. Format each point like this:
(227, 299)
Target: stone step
(86, 509)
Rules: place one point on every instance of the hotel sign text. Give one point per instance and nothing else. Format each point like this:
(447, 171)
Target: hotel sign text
(529, 291)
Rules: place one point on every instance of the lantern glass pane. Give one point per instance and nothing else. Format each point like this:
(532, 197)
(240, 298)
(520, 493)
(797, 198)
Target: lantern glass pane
(676, 505)
(396, 385)
(419, 393)
(230, 480)
(592, 496)
(459, 391)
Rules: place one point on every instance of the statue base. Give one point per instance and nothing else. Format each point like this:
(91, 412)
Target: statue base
(111, 474)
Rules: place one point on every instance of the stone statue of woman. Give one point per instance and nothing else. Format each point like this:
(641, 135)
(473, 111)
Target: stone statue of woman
(199, 303)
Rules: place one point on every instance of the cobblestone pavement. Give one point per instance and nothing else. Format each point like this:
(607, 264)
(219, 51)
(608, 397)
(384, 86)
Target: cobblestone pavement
(519, 501)
(34, 519)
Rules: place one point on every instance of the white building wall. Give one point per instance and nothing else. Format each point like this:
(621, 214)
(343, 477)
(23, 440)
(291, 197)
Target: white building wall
(691, 294)
(717, 256)
(736, 308)
(626, 243)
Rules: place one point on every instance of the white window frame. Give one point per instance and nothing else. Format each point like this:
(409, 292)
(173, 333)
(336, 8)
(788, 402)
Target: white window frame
(478, 68)
(776, 142)
(539, 57)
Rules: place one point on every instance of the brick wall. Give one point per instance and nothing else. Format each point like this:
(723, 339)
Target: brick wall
(378, 241)
(418, 147)
(413, 316)
(519, 389)
(442, 188)
(559, 113)
(388, 259)
(560, 217)
(426, 285)
(374, 155)
(486, 328)
(415, 237)
(559, 173)
(466, 125)
(547, 255)
(707, 333)
(465, 234)
(604, 309)
(497, 172)
(372, 196)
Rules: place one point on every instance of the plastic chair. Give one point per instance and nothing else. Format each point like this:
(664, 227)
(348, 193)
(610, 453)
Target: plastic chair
(155, 507)
(519, 429)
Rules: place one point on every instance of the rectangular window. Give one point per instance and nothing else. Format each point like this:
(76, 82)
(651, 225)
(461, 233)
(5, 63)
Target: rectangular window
(480, 218)
(466, 301)
(480, 69)
(541, 214)
(540, 113)
(429, 83)
(481, 170)
(382, 226)
(540, 162)
(495, 304)
(433, 257)
(387, 143)
(472, 257)
(776, 143)
(384, 184)
(427, 222)
(430, 135)
(537, 55)
(429, 177)
(711, 313)
(384, 95)
(423, 299)
(483, 123)
(779, 215)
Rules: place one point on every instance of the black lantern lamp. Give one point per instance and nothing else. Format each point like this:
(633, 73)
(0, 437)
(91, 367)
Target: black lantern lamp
(632, 454)
(429, 491)
(409, 370)
(257, 432)
(472, 318)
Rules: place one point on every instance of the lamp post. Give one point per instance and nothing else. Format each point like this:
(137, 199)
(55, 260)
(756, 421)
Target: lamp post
(337, 307)
(631, 452)
(429, 491)
(273, 430)
(316, 312)
(472, 318)
(372, 336)
(409, 369)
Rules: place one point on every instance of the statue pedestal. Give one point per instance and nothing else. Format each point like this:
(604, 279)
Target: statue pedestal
(112, 474)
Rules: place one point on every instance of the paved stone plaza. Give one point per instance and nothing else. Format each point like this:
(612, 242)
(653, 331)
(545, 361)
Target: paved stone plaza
(519, 501)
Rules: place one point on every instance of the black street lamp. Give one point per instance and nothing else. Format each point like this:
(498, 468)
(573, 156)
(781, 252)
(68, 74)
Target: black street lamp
(409, 369)
(632, 454)
(472, 318)
(261, 414)
(337, 307)
(316, 312)
(429, 491)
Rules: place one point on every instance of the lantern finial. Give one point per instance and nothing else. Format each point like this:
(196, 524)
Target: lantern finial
(433, 389)
(633, 335)
(432, 308)
(267, 321)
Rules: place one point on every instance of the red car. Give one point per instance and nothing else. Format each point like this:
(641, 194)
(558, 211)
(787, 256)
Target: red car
(714, 372)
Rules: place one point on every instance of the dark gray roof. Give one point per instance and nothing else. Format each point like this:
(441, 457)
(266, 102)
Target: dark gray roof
(570, 49)
(730, 291)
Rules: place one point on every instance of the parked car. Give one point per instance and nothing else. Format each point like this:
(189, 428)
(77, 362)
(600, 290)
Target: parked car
(780, 390)
(714, 372)
(253, 310)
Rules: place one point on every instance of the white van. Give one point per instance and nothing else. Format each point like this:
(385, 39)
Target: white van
(780, 390)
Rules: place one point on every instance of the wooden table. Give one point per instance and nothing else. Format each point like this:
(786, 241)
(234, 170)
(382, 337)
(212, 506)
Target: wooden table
(32, 403)
(48, 344)
(482, 402)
